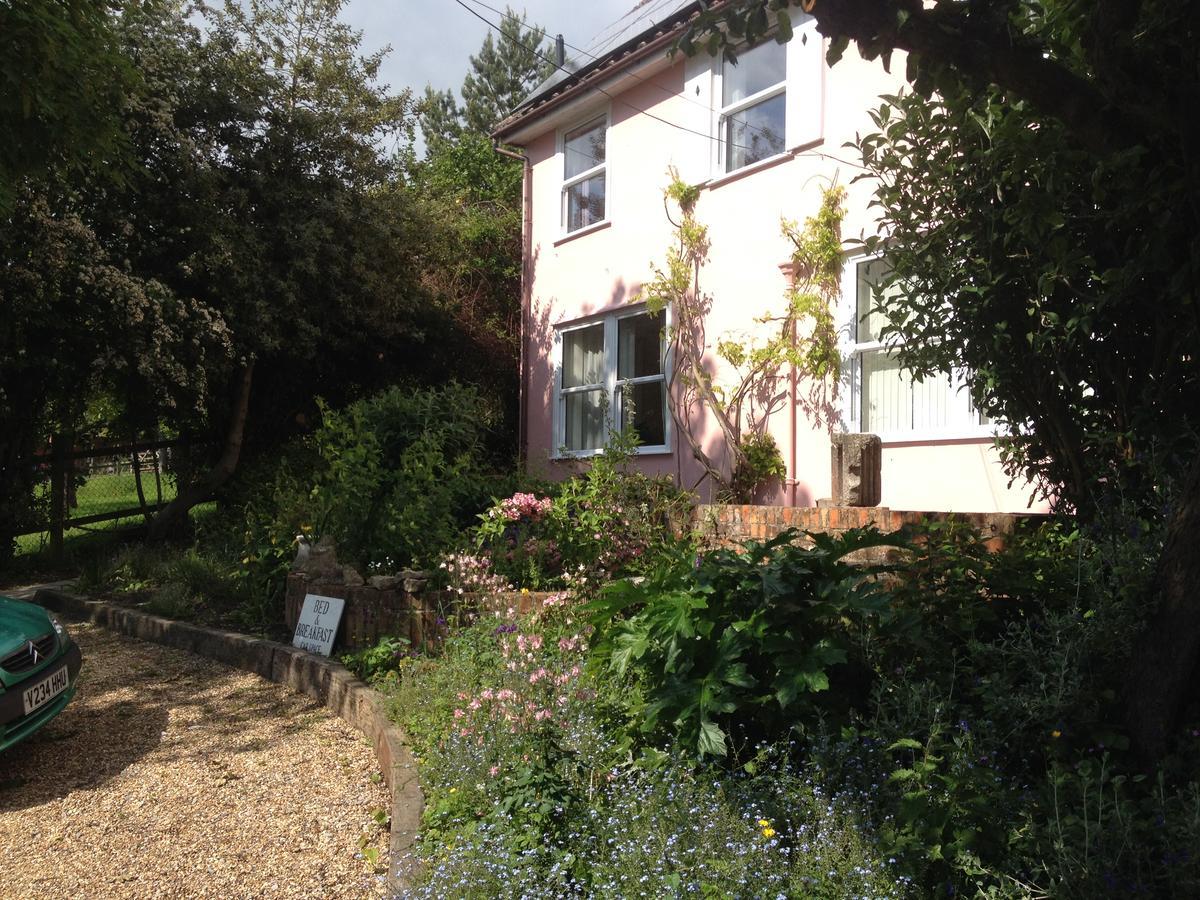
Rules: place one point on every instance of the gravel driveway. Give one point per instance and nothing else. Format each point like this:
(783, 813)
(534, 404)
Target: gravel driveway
(173, 776)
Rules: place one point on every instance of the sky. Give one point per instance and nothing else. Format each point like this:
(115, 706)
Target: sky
(431, 40)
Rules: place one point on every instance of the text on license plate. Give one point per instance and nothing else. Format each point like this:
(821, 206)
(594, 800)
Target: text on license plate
(45, 690)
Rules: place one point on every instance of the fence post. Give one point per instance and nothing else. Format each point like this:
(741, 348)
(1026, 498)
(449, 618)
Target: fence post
(58, 493)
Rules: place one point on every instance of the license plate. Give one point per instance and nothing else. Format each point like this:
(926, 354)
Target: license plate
(45, 690)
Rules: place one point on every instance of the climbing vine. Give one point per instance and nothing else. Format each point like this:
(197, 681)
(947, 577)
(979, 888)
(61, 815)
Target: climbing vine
(802, 334)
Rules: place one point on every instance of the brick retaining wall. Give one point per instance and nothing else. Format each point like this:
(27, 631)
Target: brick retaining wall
(723, 525)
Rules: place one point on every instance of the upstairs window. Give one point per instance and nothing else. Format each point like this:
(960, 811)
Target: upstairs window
(753, 116)
(742, 116)
(612, 370)
(584, 175)
(884, 398)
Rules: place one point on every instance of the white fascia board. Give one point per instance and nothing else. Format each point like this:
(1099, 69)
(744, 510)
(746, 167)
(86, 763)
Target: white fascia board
(578, 107)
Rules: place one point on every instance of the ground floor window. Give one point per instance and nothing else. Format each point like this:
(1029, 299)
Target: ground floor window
(880, 396)
(611, 371)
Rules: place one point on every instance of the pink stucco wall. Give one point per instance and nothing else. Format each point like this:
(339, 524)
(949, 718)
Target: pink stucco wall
(602, 270)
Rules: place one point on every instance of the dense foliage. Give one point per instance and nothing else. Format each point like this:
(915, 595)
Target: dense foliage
(404, 473)
(609, 520)
(926, 729)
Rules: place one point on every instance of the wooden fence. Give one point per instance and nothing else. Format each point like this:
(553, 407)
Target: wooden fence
(89, 485)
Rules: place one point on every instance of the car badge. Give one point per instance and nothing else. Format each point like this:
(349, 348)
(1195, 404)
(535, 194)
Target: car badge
(33, 652)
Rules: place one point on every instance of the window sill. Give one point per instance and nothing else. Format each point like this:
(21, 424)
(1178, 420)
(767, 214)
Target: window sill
(656, 450)
(580, 232)
(921, 438)
(768, 163)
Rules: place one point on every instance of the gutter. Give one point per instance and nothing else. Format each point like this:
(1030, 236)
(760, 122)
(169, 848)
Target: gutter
(526, 297)
(602, 69)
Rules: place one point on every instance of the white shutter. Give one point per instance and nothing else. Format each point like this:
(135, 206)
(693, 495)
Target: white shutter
(805, 82)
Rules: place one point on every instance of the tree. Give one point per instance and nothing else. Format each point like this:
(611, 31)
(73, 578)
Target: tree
(265, 189)
(1039, 184)
(74, 323)
(502, 74)
(62, 78)
(470, 197)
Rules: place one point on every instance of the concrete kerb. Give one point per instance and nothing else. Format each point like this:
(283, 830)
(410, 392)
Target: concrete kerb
(324, 680)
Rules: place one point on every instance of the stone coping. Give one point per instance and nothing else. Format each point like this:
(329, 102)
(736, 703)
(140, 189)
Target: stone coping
(323, 679)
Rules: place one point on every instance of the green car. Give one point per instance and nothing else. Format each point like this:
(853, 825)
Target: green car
(38, 666)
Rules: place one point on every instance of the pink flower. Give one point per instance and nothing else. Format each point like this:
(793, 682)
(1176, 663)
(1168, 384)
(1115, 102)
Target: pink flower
(494, 771)
(458, 714)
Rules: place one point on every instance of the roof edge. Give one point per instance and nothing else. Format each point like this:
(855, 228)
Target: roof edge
(616, 60)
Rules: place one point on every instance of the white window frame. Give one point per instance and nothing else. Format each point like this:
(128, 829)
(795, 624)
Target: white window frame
(604, 116)
(965, 418)
(701, 158)
(611, 383)
(724, 112)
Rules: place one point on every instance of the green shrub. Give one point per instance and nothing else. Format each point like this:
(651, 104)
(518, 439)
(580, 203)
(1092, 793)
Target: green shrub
(608, 521)
(404, 473)
(260, 514)
(379, 663)
(532, 788)
(743, 641)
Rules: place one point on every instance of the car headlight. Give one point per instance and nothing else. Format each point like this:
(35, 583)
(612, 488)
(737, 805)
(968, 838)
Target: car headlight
(58, 627)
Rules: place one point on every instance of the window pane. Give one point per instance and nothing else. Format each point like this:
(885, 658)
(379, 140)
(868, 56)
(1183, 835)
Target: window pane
(584, 420)
(867, 322)
(639, 346)
(754, 133)
(935, 403)
(887, 398)
(756, 70)
(648, 413)
(892, 401)
(585, 202)
(583, 356)
(584, 148)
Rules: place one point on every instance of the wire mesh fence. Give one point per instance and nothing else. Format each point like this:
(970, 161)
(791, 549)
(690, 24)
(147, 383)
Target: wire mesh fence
(80, 487)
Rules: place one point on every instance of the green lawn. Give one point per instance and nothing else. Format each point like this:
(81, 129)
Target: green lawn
(109, 493)
(99, 494)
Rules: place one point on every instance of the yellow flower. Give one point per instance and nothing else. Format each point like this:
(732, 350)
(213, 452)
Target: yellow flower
(768, 832)
(763, 823)
(524, 590)
(1056, 733)
(454, 790)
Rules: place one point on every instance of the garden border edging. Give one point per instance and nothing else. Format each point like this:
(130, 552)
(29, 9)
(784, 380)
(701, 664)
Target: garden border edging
(326, 681)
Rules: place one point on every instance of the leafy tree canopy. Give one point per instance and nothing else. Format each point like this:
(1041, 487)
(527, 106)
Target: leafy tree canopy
(62, 79)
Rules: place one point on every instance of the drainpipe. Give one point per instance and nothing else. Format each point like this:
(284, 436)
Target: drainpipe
(790, 484)
(526, 294)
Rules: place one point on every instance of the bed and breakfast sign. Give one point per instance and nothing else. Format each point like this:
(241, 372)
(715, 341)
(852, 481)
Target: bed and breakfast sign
(318, 623)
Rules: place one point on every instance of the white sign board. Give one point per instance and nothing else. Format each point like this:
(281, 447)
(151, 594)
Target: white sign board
(318, 623)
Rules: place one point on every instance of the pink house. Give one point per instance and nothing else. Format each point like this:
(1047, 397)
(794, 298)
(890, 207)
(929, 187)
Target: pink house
(763, 138)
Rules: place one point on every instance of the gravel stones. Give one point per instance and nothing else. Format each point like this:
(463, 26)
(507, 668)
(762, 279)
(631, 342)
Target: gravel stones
(173, 776)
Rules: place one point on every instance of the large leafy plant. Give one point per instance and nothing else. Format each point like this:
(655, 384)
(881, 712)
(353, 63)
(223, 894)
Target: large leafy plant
(756, 636)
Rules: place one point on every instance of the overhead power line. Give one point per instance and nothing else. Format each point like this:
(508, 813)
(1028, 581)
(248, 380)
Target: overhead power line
(640, 79)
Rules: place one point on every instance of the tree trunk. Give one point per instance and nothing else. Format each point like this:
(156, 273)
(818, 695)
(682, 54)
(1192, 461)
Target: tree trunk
(1161, 679)
(175, 512)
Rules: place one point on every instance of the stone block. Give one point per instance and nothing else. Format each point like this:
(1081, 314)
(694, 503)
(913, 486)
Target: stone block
(857, 461)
